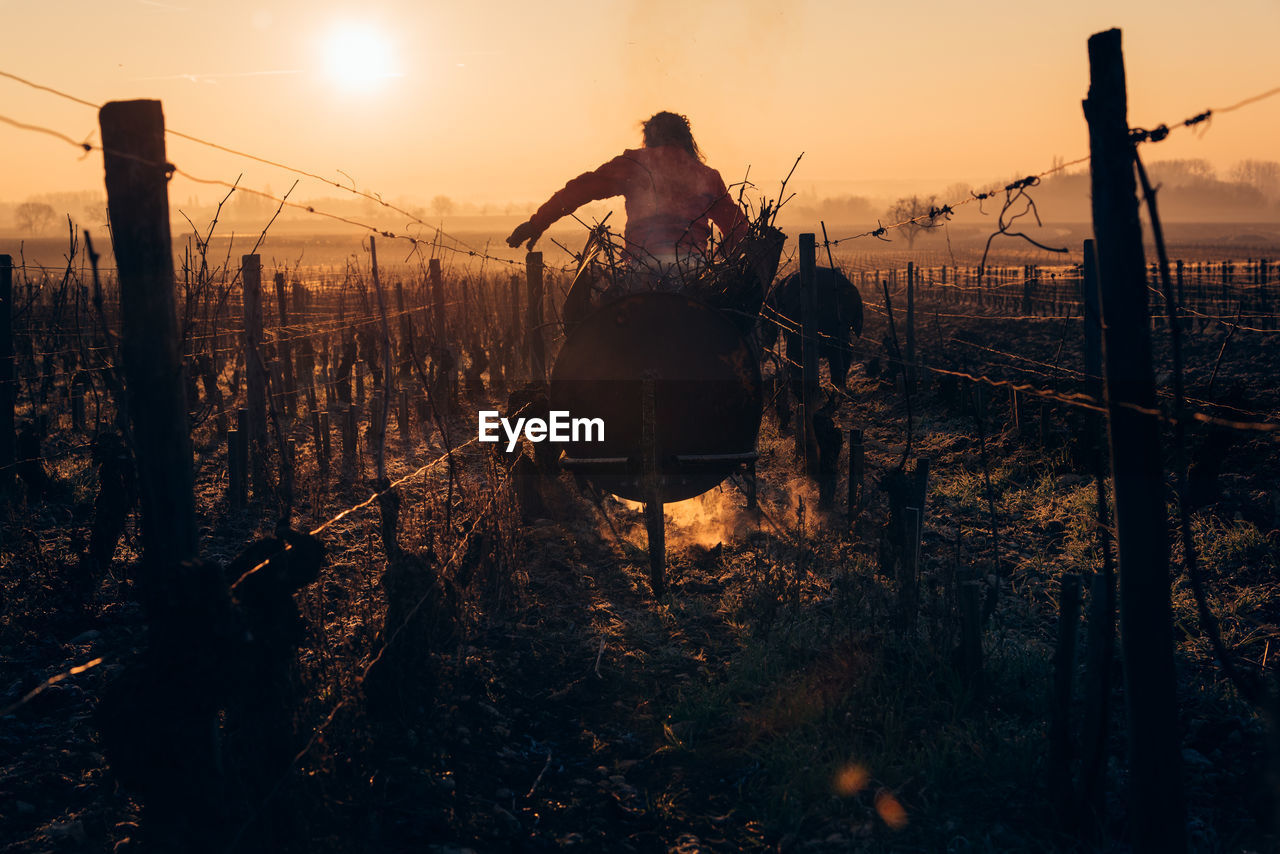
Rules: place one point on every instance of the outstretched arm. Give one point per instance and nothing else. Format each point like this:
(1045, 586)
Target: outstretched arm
(607, 181)
(730, 219)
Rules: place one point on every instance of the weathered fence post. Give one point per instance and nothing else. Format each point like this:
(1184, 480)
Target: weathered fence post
(8, 382)
(857, 468)
(653, 516)
(138, 206)
(402, 418)
(256, 371)
(284, 348)
(533, 318)
(234, 473)
(909, 374)
(517, 364)
(350, 433)
(1182, 296)
(1092, 322)
(161, 705)
(378, 424)
(445, 364)
(437, 301)
(808, 349)
(326, 446)
(239, 462)
(1158, 810)
(406, 336)
(1060, 731)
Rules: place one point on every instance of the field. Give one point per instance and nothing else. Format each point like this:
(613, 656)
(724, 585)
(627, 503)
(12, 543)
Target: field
(465, 653)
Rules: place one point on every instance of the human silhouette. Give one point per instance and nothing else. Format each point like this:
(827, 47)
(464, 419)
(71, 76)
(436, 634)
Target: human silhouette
(672, 198)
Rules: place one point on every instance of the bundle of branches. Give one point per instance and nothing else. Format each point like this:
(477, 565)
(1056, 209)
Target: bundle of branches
(735, 281)
(738, 281)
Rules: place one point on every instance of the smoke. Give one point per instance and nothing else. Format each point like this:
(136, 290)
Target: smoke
(721, 515)
(714, 517)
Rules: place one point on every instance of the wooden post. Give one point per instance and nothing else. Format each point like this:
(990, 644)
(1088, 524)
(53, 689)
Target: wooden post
(305, 367)
(909, 370)
(239, 463)
(1060, 732)
(1182, 296)
(256, 372)
(1157, 808)
(654, 522)
(406, 335)
(518, 363)
(326, 444)
(402, 418)
(533, 322)
(437, 301)
(378, 424)
(235, 470)
(284, 349)
(375, 434)
(8, 381)
(349, 435)
(138, 207)
(1100, 654)
(909, 571)
(809, 349)
(313, 409)
(857, 471)
(1092, 322)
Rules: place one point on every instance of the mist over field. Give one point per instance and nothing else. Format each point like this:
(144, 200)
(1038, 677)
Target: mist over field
(1236, 210)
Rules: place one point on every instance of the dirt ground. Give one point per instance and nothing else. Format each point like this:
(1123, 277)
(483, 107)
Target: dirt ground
(767, 703)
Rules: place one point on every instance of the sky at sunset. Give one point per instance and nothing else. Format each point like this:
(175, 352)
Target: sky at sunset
(497, 101)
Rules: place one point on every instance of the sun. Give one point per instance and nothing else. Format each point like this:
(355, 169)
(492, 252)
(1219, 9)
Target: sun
(358, 57)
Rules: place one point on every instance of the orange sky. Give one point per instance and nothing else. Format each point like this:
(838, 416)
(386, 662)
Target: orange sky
(502, 100)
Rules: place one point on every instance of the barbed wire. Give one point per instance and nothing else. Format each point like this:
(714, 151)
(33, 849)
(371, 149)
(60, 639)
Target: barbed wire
(927, 219)
(367, 196)
(1137, 135)
(1075, 399)
(458, 551)
(171, 170)
(1162, 131)
(946, 210)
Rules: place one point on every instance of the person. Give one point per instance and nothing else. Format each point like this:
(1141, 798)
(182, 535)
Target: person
(671, 198)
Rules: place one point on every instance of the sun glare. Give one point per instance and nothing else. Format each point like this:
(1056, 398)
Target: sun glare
(358, 57)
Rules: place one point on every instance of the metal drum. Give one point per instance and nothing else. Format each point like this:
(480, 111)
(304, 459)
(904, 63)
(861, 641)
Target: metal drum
(685, 365)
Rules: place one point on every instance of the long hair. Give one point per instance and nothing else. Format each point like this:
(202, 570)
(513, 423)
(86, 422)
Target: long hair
(670, 129)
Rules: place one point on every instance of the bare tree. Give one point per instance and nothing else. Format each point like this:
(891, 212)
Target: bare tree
(1180, 172)
(1262, 174)
(442, 205)
(912, 215)
(35, 217)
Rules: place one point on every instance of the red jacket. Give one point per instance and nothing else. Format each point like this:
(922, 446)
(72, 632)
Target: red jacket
(671, 201)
